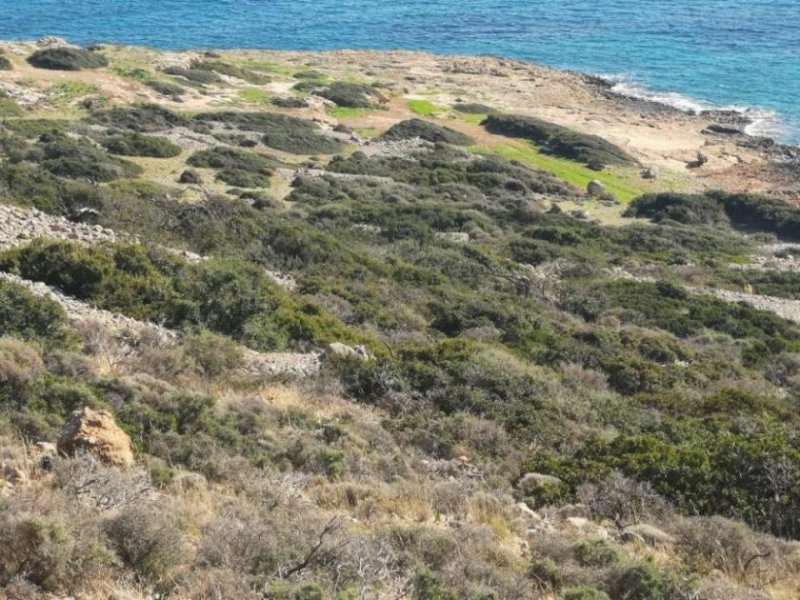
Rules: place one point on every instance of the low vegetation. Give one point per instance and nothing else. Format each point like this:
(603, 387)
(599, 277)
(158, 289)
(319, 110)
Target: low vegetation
(137, 144)
(67, 58)
(412, 371)
(236, 167)
(559, 141)
(430, 132)
(348, 95)
(280, 132)
(742, 211)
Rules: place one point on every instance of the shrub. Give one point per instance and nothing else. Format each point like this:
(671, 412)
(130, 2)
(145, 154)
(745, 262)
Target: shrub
(230, 70)
(30, 317)
(583, 592)
(139, 117)
(148, 540)
(190, 177)
(349, 95)
(431, 132)
(20, 364)
(137, 144)
(214, 354)
(67, 59)
(645, 582)
(202, 76)
(236, 167)
(65, 157)
(289, 102)
(5, 64)
(281, 132)
(558, 140)
(742, 211)
(166, 88)
(50, 543)
(28, 184)
(473, 108)
(33, 128)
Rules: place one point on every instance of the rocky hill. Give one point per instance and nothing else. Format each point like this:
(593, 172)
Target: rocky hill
(389, 325)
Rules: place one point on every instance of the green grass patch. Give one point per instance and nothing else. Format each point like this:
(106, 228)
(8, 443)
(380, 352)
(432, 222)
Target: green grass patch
(254, 95)
(424, 108)
(346, 112)
(625, 187)
(66, 91)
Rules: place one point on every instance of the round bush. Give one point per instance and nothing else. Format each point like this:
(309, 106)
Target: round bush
(67, 59)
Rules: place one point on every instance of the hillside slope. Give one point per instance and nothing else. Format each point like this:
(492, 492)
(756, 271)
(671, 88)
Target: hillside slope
(386, 325)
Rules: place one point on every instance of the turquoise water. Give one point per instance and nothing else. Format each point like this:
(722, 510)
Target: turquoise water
(742, 53)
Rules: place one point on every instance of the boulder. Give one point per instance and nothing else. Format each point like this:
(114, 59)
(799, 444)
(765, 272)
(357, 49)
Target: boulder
(345, 351)
(96, 432)
(595, 189)
(649, 173)
(51, 40)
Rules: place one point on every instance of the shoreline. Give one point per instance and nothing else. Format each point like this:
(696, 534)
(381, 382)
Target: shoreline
(660, 135)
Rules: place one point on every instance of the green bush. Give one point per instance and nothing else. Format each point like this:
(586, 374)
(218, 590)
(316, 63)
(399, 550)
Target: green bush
(30, 317)
(143, 118)
(202, 76)
(166, 88)
(473, 108)
(558, 140)
(33, 128)
(743, 211)
(230, 70)
(281, 132)
(644, 582)
(190, 177)
(236, 167)
(583, 592)
(67, 59)
(349, 95)
(137, 144)
(5, 64)
(28, 184)
(79, 159)
(431, 132)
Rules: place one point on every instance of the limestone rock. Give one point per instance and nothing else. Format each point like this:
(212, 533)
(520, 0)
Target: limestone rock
(96, 432)
(345, 351)
(595, 189)
(649, 173)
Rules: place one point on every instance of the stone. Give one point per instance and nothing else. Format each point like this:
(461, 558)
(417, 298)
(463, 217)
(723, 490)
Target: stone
(528, 512)
(51, 40)
(345, 351)
(96, 432)
(698, 162)
(649, 173)
(595, 189)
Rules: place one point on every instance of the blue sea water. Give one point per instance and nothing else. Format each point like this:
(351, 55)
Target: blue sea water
(737, 53)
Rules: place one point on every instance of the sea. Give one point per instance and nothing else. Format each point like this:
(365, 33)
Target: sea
(734, 54)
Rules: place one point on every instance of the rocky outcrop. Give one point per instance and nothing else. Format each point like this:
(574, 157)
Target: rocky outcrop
(87, 430)
(340, 350)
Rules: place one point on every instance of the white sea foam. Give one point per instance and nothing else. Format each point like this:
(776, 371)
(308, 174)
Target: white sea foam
(762, 122)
